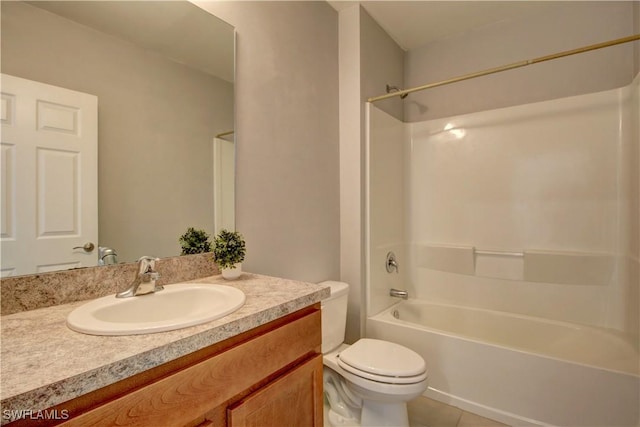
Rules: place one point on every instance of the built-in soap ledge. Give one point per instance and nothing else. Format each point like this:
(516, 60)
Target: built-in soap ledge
(560, 267)
(573, 268)
(454, 259)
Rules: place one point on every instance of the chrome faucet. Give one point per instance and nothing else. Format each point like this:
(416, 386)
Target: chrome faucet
(398, 293)
(145, 281)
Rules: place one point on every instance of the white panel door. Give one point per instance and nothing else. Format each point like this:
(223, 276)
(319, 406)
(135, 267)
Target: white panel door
(49, 160)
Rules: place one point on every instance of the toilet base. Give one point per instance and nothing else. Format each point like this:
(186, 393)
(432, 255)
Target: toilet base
(384, 414)
(396, 417)
(333, 419)
(392, 415)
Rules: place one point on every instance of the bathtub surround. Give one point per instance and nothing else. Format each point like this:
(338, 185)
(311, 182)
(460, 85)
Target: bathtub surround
(563, 218)
(524, 196)
(520, 201)
(549, 183)
(524, 211)
(387, 189)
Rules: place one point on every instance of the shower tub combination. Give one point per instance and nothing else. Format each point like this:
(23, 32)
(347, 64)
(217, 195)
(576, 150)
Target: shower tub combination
(516, 369)
(541, 327)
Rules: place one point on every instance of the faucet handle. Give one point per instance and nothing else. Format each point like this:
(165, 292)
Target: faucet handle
(391, 263)
(147, 264)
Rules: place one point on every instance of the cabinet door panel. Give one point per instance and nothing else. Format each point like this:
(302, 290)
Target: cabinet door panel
(294, 399)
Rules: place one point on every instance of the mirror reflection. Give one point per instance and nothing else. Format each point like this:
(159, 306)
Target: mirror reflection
(117, 122)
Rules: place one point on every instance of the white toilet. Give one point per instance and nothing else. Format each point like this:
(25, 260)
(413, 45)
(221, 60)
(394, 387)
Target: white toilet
(369, 382)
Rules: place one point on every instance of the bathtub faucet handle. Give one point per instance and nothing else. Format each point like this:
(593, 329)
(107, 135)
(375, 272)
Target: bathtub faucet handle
(398, 293)
(391, 263)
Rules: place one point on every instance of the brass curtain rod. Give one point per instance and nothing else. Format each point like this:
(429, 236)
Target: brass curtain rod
(220, 135)
(509, 67)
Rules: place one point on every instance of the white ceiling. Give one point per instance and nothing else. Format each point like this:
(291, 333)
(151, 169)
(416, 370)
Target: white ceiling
(415, 23)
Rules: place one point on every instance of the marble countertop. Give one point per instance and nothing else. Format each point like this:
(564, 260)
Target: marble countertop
(44, 363)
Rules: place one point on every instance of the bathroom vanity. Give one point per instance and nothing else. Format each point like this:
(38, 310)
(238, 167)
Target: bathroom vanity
(260, 365)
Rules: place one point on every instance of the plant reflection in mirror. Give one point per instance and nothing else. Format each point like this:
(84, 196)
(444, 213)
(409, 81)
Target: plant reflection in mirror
(195, 242)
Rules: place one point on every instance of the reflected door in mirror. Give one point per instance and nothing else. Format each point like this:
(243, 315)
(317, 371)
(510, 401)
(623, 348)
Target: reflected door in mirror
(49, 177)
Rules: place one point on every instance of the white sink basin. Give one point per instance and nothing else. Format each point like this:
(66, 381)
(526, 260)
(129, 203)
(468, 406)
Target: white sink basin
(177, 306)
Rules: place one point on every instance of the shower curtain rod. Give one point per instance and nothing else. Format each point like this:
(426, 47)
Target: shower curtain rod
(519, 64)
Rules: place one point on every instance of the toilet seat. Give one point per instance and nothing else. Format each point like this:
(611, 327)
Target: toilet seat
(383, 362)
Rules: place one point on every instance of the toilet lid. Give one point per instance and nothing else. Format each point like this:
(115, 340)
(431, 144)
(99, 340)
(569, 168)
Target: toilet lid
(379, 359)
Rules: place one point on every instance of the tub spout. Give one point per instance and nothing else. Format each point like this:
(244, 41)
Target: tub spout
(398, 293)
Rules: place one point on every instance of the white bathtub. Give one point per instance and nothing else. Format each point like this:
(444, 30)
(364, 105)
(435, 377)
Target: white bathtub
(517, 369)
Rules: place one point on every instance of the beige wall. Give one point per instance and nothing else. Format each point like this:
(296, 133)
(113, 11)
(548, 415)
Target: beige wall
(636, 30)
(351, 169)
(633, 296)
(287, 196)
(635, 159)
(382, 63)
(369, 59)
(157, 120)
(578, 24)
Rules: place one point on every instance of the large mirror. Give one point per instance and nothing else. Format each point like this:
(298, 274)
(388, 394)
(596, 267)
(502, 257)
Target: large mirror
(161, 76)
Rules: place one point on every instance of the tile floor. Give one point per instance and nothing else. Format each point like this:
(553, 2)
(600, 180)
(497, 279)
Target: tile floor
(425, 412)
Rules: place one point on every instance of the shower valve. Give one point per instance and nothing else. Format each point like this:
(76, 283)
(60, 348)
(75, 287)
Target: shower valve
(391, 263)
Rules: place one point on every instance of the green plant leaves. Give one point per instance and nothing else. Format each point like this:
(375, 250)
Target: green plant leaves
(229, 248)
(194, 242)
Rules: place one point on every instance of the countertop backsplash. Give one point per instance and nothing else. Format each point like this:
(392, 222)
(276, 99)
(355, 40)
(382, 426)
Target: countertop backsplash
(35, 291)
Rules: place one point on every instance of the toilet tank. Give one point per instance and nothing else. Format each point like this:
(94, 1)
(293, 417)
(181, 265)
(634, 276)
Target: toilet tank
(334, 316)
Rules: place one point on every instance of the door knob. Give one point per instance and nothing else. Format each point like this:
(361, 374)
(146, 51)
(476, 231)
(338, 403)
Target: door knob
(88, 247)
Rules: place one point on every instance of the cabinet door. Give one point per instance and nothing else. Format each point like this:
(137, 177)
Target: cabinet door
(294, 399)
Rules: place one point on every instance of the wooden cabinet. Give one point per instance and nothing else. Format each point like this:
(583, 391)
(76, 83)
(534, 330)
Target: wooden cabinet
(269, 376)
(294, 400)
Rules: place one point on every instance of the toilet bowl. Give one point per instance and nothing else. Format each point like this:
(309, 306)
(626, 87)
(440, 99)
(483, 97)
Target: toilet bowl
(369, 382)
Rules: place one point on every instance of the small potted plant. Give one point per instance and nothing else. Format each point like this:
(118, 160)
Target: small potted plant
(195, 242)
(229, 251)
